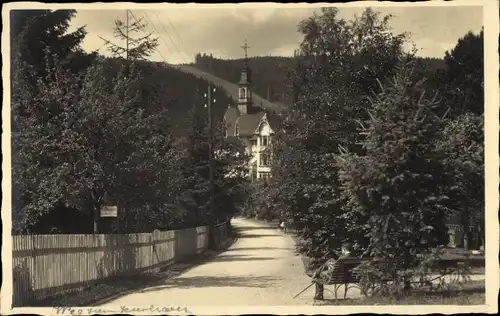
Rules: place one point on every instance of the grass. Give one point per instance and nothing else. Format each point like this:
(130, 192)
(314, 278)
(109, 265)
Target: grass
(472, 293)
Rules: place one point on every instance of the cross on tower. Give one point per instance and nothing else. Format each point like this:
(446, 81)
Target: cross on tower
(245, 47)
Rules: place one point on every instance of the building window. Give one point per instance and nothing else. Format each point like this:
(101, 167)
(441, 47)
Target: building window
(242, 93)
(264, 140)
(253, 142)
(265, 176)
(264, 159)
(253, 175)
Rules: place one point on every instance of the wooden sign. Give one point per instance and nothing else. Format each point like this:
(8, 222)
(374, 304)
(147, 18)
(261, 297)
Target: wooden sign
(109, 211)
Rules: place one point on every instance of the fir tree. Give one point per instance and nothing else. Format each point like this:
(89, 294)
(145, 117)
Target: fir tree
(195, 166)
(396, 191)
(135, 48)
(462, 141)
(41, 37)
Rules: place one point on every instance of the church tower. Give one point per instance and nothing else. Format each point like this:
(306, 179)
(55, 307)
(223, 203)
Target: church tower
(245, 86)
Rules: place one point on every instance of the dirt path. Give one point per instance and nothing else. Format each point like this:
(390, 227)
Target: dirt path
(260, 268)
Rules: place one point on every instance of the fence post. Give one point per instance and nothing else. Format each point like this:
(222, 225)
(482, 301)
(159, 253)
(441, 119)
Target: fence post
(152, 249)
(23, 276)
(211, 237)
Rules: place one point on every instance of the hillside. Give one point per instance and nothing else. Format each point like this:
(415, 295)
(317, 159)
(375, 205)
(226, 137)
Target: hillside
(178, 91)
(179, 88)
(231, 89)
(182, 87)
(269, 73)
(432, 64)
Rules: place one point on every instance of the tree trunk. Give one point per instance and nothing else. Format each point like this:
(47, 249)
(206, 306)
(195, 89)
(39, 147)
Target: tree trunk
(480, 234)
(465, 222)
(407, 285)
(96, 219)
(96, 208)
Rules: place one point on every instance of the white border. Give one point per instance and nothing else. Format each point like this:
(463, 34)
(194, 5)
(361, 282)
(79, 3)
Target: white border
(491, 32)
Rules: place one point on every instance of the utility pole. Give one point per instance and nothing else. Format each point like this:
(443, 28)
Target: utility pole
(208, 95)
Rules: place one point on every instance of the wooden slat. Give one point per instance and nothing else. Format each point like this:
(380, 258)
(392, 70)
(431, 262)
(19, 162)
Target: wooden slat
(51, 264)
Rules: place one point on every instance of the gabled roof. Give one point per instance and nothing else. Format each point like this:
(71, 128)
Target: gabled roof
(272, 119)
(248, 123)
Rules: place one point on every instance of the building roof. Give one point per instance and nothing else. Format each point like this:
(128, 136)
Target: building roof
(248, 123)
(230, 118)
(233, 140)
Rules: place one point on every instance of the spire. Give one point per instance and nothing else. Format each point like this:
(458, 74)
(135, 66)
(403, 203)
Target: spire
(245, 85)
(246, 47)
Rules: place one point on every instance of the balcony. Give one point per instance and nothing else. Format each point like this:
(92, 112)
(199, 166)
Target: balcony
(264, 169)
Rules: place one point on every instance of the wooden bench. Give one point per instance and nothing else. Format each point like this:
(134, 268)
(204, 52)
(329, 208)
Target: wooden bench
(344, 274)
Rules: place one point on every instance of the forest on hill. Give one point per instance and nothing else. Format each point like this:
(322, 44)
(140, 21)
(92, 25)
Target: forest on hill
(180, 93)
(270, 73)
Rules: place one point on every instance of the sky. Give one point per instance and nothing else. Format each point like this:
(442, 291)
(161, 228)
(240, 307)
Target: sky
(270, 31)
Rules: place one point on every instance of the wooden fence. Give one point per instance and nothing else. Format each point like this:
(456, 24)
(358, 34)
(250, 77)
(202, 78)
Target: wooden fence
(220, 234)
(48, 265)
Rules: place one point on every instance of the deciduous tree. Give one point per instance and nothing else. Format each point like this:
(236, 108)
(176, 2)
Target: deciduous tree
(337, 67)
(85, 138)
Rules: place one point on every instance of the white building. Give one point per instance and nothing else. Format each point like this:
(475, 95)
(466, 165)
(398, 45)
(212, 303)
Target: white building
(253, 125)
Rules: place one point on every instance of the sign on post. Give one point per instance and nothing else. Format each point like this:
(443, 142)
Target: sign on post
(109, 211)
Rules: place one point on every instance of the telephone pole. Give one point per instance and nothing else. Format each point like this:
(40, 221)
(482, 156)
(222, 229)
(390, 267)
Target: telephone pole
(208, 95)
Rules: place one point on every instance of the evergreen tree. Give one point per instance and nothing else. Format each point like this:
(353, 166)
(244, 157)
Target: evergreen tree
(231, 174)
(195, 167)
(463, 86)
(397, 190)
(41, 37)
(135, 47)
(463, 142)
(230, 171)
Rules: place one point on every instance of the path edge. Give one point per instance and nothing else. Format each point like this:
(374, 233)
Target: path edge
(198, 260)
